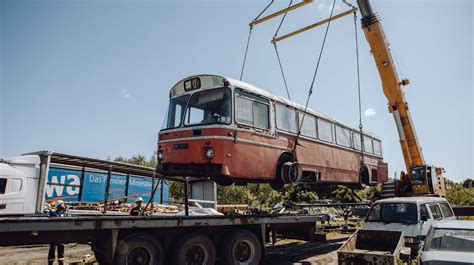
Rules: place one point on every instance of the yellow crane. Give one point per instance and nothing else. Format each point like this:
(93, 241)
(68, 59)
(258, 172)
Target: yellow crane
(420, 178)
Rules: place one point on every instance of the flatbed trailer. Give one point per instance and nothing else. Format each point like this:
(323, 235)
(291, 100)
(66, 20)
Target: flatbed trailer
(123, 239)
(158, 239)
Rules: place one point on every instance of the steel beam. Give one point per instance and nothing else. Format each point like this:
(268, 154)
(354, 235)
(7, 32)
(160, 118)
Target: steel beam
(281, 12)
(324, 21)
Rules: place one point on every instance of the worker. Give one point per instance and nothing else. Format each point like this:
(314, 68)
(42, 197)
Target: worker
(137, 210)
(61, 211)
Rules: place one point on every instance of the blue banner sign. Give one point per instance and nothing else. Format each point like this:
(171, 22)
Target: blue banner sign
(65, 184)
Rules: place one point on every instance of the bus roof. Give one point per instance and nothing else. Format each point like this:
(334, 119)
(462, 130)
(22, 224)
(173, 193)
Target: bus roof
(265, 93)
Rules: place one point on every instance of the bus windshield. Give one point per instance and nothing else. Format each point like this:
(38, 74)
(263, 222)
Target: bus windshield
(209, 107)
(175, 112)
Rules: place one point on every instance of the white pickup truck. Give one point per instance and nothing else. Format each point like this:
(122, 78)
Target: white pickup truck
(411, 215)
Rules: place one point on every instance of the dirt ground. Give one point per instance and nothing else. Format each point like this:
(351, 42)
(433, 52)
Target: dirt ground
(284, 253)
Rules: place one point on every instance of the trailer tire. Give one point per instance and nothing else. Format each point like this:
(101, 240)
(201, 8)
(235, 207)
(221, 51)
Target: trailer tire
(195, 249)
(139, 249)
(242, 247)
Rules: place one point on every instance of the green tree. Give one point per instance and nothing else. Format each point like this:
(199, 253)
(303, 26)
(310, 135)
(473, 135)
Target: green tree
(344, 194)
(457, 195)
(468, 183)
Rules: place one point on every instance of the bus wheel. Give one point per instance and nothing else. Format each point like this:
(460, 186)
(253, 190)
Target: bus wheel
(242, 247)
(223, 181)
(363, 177)
(279, 183)
(291, 172)
(139, 249)
(195, 249)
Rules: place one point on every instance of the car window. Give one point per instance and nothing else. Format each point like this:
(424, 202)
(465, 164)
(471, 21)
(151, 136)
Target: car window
(446, 210)
(436, 212)
(3, 185)
(424, 211)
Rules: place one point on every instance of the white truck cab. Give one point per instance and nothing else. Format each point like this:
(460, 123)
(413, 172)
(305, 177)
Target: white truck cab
(19, 178)
(412, 215)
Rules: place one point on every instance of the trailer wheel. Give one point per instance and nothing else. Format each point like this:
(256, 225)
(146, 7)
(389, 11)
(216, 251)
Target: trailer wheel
(196, 249)
(242, 247)
(99, 255)
(139, 249)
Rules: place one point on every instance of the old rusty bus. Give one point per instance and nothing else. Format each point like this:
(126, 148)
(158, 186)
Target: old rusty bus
(230, 131)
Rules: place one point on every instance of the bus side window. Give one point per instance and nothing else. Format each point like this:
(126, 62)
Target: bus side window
(251, 110)
(286, 118)
(261, 115)
(368, 145)
(343, 136)
(325, 130)
(377, 147)
(309, 124)
(356, 140)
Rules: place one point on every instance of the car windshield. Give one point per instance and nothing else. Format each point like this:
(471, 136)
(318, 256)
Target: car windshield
(452, 240)
(393, 213)
(175, 112)
(209, 107)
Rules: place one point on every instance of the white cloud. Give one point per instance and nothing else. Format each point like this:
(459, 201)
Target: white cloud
(370, 112)
(125, 94)
(325, 6)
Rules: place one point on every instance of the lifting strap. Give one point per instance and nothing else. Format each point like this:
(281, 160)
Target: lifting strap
(278, 55)
(310, 92)
(359, 93)
(250, 33)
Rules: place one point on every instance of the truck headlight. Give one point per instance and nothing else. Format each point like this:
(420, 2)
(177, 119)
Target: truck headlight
(160, 155)
(210, 153)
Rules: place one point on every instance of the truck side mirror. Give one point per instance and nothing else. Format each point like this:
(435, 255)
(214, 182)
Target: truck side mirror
(424, 218)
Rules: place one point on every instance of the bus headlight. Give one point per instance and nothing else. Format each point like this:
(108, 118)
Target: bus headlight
(160, 155)
(210, 153)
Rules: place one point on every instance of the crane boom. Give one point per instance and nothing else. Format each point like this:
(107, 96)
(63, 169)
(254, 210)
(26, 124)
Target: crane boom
(392, 86)
(421, 178)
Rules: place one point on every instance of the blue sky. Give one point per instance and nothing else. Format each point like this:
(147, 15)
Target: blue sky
(92, 77)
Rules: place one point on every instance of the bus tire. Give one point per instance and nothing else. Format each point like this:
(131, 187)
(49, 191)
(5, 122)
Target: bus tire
(223, 181)
(363, 176)
(195, 249)
(242, 247)
(139, 249)
(278, 183)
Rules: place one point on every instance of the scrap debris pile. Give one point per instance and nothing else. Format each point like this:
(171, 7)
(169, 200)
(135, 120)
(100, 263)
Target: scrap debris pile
(116, 207)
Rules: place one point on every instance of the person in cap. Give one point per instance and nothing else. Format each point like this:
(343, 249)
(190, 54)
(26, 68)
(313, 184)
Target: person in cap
(137, 210)
(61, 211)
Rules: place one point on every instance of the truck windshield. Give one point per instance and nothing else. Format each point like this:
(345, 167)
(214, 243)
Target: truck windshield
(393, 213)
(175, 112)
(209, 107)
(418, 175)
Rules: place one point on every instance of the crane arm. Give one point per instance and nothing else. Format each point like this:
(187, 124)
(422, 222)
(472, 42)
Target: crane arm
(392, 85)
